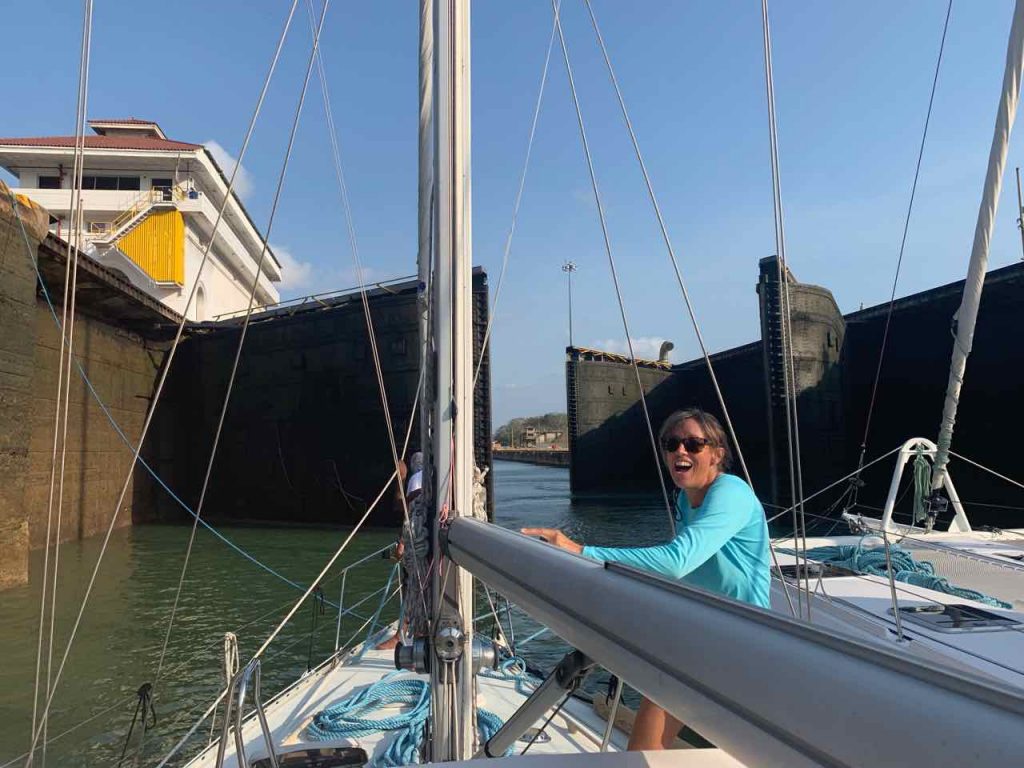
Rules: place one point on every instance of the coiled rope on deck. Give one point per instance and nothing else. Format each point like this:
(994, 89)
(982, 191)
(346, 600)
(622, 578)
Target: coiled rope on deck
(350, 719)
(920, 573)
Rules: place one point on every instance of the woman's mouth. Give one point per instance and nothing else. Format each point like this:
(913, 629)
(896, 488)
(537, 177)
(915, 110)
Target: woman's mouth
(682, 466)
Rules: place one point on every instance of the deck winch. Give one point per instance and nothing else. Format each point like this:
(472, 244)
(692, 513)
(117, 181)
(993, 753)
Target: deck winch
(448, 645)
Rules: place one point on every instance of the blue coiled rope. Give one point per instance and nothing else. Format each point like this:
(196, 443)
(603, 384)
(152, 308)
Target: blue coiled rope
(349, 719)
(513, 668)
(920, 573)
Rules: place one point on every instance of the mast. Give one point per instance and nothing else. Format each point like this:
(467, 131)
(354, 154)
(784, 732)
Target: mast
(452, 681)
(967, 315)
(425, 198)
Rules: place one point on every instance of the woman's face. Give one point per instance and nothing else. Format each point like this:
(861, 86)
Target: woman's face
(691, 470)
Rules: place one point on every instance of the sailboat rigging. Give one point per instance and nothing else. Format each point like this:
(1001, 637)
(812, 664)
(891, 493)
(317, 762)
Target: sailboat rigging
(734, 680)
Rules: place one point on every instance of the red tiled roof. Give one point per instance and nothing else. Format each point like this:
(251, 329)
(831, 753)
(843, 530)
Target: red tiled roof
(103, 142)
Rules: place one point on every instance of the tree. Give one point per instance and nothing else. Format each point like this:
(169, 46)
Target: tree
(549, 422)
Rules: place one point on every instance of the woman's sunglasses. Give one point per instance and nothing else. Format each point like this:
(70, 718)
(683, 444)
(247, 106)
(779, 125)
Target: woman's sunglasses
(691, 444)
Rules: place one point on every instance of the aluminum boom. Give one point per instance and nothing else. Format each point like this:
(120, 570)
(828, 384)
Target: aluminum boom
(765, 688)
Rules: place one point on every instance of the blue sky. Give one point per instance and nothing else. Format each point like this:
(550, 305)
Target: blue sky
(852, 84)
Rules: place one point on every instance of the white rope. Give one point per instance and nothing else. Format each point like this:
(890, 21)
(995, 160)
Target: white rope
(515, 206)
(241, 342)
(679, 275)
(792, 421)
(371, 333)
(163, 375)
(611, 264)
(61, 401)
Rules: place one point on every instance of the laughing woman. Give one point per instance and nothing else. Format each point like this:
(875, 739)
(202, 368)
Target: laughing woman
(721, 542)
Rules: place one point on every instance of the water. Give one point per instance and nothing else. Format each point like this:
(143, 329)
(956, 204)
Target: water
(121, 635)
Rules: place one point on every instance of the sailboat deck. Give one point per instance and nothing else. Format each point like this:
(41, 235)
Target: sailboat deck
(994, 651)
(576, 730)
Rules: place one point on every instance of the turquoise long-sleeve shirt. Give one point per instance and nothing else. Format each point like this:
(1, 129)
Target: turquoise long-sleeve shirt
(721, 546)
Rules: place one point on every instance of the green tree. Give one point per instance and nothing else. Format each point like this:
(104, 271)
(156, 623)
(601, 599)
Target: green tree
(549, 422)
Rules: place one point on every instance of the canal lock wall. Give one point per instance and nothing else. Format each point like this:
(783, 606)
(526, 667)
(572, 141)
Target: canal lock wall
(120, 356)
(305, 437)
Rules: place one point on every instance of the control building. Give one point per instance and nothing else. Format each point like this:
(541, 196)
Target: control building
(149, 205)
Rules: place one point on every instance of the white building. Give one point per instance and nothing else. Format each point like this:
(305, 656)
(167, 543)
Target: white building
(149, 206)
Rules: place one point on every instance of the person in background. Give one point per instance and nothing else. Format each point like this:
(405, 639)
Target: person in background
(721, 542)
(413, 545)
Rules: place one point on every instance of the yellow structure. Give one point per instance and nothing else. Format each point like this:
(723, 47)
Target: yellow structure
(157, 246)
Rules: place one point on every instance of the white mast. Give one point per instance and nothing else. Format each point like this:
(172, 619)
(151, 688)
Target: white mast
(425, 198)
(967, 315)
(452, 682)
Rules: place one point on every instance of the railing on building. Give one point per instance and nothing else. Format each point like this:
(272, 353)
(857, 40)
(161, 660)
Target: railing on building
(139, 205)
(324, 299)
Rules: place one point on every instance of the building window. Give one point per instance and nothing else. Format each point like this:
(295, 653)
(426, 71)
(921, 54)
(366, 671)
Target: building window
(161, 183)
(114, 183)
(49, 182)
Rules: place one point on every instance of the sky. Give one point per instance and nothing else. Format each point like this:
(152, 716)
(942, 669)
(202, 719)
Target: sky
(852, 82)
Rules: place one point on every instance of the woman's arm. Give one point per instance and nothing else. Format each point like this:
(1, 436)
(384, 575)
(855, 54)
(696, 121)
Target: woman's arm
(722, 515)
(554, 536)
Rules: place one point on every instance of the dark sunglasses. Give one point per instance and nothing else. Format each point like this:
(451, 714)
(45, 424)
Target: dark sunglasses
(691, 444)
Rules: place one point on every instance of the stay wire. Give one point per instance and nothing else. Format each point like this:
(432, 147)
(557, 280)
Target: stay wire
(168, 360)
(241, 340)
(61, 402)
(982, 467)
(371, 332)
(516, 204)
(903, 240)
(679, 275)
(792, 420)
(337, 553)
(611, 264)
(128, 443)
(72, 729)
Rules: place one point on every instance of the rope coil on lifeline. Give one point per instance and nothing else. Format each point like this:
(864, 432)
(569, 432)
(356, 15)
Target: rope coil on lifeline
(919, 573)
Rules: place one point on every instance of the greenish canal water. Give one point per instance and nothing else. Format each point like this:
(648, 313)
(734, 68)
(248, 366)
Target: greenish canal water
(118, 644)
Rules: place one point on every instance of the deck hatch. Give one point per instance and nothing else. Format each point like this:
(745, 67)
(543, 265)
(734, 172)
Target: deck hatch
(957, 617)
(814, 570)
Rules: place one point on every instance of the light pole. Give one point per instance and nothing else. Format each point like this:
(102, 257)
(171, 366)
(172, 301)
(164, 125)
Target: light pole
(569, 267)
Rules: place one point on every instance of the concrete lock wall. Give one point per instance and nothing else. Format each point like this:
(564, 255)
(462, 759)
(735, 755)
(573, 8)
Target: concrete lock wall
(305, 437)
(835, 359)
(17, 321)
(304, 440)
(122, 367)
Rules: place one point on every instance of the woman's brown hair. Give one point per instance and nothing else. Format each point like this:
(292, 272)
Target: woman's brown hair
(709, 425)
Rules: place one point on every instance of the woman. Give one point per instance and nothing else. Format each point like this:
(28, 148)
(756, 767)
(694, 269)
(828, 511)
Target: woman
(721, 542)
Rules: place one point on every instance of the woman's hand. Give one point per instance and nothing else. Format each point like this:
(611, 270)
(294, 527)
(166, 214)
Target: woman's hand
(556, 537)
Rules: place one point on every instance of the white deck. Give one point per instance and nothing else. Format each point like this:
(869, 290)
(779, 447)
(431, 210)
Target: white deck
(864, 604)
(576, 730)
